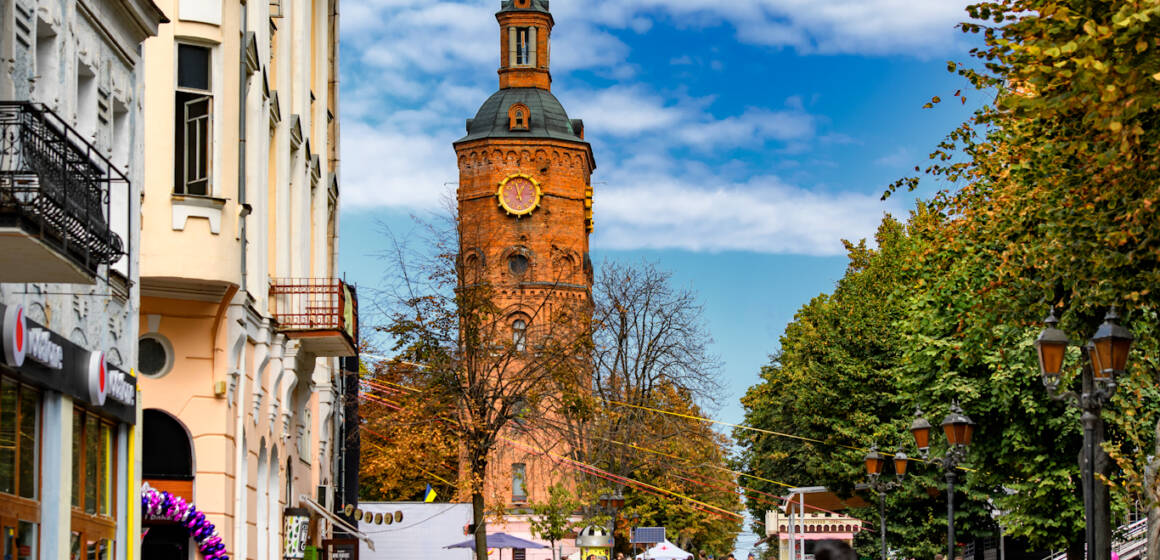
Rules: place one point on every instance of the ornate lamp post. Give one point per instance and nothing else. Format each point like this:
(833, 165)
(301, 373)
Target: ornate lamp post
(959, 430)
(874, 463)
(1105, 357)
(611, 503)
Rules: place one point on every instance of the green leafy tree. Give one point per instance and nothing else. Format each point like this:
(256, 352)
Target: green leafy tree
(552, 519)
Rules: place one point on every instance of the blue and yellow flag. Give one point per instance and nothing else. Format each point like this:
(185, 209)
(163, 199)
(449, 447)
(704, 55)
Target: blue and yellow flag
(429, 495)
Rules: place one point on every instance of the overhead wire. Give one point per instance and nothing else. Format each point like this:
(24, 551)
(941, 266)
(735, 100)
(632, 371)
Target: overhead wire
(641, 448)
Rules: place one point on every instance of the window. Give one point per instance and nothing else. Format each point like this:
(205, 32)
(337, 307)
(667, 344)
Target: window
(166, 451)
(93, 474)
(519, 483)
(518, 264)
(86, 101)
(154, 355)
(519, 117)
(19, 419)
(47, 67)
(519, 334)
(19, 540)
(522, 44)
(194, 121)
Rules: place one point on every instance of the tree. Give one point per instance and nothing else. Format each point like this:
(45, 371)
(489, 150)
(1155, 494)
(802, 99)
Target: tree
(650, 350)
(552, 519)
(450, 319)
(832, 391)
(1055, 207)
(692, 463)
(405, 445)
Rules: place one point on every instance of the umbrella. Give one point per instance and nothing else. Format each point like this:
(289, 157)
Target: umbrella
(499, 540)
(665, 551)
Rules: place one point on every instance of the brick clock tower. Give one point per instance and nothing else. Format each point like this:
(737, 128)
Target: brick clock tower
(525, 211)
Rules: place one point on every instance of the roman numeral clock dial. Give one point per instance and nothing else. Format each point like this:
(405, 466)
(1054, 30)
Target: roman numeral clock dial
(519, 195)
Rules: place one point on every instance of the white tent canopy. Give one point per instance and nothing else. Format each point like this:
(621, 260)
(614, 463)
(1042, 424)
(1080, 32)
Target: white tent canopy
(664, 551)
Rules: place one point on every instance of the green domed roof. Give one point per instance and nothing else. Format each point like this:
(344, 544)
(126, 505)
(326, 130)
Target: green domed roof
(548, 118)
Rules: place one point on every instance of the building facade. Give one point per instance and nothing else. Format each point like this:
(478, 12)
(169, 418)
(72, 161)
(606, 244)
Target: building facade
(790, 532)
(71, 141)
(525, 214)
(243, 318)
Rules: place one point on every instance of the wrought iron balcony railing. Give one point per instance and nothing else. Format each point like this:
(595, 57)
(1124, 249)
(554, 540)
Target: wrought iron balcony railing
(321, 312)
(55, 186)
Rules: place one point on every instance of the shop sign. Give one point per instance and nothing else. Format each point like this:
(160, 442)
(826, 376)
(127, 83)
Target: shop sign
(46, 359)
(21, 342)
(296, 531)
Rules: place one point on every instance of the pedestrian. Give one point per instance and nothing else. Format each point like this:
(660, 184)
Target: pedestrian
(834, 550)
(752, 556)
(619, 556)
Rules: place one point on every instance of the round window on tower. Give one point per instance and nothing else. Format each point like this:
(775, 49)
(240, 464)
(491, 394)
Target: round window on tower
(518, 264)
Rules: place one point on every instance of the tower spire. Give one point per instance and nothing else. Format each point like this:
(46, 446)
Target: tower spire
(525, 28)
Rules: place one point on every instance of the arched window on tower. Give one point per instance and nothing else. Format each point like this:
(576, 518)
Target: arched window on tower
(519, 334)
(519, 117)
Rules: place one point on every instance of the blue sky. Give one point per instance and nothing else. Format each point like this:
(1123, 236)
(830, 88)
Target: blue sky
(737, 141)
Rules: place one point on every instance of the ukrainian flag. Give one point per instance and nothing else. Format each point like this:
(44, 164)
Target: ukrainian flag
(429, 495)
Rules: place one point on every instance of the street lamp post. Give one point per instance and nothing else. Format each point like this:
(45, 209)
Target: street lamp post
(1105, 357)
(959, 430)
(874, 463)
(611, 503)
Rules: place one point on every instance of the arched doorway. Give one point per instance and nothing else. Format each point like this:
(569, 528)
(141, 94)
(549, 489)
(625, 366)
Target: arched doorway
(166, 464)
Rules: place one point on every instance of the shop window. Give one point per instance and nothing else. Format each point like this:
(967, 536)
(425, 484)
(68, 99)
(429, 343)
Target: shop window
(519, 482)
(19, 419)
(193, 110)
(20, 540)
(93, 473)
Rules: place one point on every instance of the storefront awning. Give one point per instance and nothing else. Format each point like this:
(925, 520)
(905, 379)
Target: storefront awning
(336, 520)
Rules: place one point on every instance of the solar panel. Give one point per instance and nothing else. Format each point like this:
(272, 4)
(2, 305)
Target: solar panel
(648, 535)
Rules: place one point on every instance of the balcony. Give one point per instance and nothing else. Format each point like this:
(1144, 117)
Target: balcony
(54, 200)
(321, 313)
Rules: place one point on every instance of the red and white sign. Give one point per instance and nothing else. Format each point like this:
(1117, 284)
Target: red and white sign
(14, 332)
(22, 342)
(98, 374)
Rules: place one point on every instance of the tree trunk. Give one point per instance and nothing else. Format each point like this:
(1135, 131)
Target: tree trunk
(1075, 551)
(1154, 531)
(1151, 471)
(480, 520)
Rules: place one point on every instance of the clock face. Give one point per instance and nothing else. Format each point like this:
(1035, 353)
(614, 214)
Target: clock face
(519, 195)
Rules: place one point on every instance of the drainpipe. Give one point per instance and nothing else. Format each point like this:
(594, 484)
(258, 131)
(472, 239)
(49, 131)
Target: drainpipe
(243, 90)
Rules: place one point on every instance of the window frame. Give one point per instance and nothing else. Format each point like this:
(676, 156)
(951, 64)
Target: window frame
(184, 97)
(523, 46)
(16, 506)
(96, 526)
(520, 333)
(522, 488)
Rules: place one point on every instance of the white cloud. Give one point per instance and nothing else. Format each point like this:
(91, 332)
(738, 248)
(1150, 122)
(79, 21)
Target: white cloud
(414, 69)
(761, 215)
